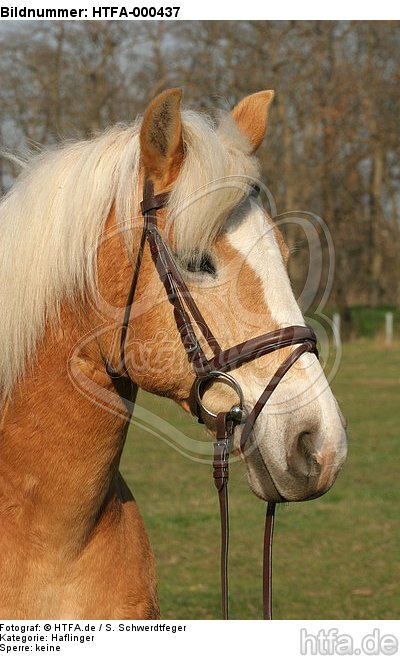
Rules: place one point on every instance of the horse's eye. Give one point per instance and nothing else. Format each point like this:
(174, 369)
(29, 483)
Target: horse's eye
(204, 265)
(255, 191)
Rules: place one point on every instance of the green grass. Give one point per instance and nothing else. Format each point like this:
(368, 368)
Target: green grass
(334, 557)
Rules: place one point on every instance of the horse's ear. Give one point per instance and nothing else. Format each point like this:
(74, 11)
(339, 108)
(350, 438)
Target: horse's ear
(251, 116)
(161, 141)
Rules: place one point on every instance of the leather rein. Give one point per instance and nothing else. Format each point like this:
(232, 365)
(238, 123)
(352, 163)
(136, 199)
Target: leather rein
(212, 369)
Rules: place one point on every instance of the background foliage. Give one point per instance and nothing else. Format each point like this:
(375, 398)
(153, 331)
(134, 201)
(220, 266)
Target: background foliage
(333, 143)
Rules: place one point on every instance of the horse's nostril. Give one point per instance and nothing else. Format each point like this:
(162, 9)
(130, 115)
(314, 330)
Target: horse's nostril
(306, 442)
(303, 458)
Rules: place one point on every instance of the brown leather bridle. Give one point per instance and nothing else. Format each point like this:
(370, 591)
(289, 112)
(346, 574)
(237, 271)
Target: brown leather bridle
(208, 370)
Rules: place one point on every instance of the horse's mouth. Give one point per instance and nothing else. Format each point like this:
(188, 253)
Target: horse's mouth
(305, 487)
(259, 478)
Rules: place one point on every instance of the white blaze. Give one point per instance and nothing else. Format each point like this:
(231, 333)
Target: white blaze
(303, 402)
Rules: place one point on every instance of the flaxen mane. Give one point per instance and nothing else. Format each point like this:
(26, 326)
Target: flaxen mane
(52, 220)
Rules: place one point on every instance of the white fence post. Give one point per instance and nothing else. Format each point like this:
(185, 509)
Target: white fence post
(336, 327)
(389, 328)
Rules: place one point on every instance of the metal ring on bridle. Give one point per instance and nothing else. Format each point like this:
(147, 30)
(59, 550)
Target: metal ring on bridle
(224, 378)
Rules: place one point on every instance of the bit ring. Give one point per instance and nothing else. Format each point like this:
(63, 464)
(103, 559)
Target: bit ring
(227, 379)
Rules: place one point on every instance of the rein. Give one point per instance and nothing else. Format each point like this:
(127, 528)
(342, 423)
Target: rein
(216, 368)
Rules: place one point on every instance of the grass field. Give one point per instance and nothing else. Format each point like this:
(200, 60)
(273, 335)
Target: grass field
(334, 557)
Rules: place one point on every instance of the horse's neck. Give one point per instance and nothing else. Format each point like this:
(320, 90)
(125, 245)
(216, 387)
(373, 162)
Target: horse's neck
(59, 451)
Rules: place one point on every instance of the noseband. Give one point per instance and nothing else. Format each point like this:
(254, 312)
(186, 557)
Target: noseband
(216, 368)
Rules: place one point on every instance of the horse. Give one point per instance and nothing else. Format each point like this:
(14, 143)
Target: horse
(72, 542)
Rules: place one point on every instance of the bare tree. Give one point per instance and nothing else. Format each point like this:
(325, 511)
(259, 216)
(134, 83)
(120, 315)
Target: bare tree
(333, 141)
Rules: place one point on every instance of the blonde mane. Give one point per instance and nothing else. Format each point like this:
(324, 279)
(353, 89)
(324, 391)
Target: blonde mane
(52, 219)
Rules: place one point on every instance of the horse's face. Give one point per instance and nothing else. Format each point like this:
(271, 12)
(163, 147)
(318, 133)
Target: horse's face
(299, 441)
(241, 286)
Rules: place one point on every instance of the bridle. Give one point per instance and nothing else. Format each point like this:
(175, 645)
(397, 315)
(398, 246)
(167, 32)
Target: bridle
(207, 370)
